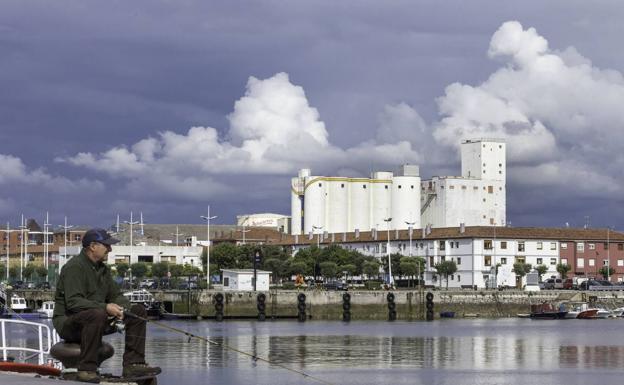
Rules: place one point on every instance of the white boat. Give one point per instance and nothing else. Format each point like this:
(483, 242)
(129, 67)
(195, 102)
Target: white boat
(618, 312)
(46, 310)
(580, 310)
(145, 298)
(604, 313)
(18, 304)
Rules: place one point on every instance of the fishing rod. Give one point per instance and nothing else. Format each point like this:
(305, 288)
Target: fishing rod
(226, 346)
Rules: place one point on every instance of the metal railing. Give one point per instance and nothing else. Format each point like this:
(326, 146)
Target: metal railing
(45, 338)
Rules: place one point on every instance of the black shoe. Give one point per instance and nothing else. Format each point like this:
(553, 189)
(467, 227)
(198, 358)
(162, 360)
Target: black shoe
(140, 370)
(88, 376)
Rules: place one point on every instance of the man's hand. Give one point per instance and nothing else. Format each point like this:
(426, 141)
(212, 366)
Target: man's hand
(114, 310)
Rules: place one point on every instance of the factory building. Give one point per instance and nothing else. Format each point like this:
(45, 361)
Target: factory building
(337, 204)
(477, 197)
(321, 204)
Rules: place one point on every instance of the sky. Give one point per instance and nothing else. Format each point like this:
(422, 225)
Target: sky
(165, 107)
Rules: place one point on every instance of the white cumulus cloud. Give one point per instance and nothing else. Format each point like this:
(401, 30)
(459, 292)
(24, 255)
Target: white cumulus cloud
(560, 115)
(273, 130)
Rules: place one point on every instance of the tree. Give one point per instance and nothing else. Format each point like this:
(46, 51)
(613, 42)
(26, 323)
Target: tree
(276, 266)
(606, 272)
(541, 270)
(409, 267)
(298, 267)
(41, 271)
(160, 269)
(122, 269)
(28, 271)
(521, 269)
(446, 268)
(2, 271)
(371, 268)
(224, 255)
(14, 272)
(139, 270)
(329, 269)
(563, 269)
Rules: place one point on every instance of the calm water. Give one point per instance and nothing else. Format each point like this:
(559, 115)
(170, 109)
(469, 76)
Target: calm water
(507, 351)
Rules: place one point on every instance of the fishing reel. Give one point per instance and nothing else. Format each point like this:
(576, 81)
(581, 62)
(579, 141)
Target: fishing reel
(117, 325)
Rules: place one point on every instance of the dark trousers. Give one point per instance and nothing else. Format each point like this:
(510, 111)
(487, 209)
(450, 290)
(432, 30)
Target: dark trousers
(87, 328)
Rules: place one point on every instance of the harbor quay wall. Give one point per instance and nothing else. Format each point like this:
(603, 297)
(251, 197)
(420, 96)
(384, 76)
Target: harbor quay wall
(364, 305)
(373, 305)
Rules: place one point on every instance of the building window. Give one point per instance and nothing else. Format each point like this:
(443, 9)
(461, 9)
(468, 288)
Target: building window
(452, 187)
(521, 246)
(553, 261)
(591, 246)
(342, 185)
(452, 244)
(564, 261)
(457, 245)
(487, 244)
(620, 262)
(458, 261)
(487, 260)
(539, 245)
(605, 246)
(620, 246)
(458, 278)
(605, 262)
(564, 245)
(580, 262)
(412, 187)
(592, 262)
(364, 186)
(580, 247)
(539, 261)
(399, 186)
(386, 187)
(442, 245)
(553, 245)
(226, 281)
(491, 189)
(503, 261)
(503, 245)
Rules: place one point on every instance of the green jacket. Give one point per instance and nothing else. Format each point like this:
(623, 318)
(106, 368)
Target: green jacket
(84, 285)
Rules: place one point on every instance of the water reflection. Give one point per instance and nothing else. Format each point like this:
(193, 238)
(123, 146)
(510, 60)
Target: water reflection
(514, 351)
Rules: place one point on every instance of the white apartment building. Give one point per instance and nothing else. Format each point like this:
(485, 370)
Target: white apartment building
(477, 250)
(322, 204)
(178, 255)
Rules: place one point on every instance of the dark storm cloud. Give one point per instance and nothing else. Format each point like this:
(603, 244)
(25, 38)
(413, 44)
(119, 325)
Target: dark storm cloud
(94, 76)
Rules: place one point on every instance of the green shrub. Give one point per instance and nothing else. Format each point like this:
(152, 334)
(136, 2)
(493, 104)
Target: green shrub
(372, 285)
(288, 286)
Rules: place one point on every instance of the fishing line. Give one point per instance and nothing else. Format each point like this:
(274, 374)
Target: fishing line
(222, 345)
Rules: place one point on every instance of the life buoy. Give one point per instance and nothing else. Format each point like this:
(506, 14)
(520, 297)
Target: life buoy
(390, 297)
(219, 297)
(301, 297)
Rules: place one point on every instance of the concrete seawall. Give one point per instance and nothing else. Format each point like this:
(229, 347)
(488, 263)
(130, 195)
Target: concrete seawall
(410, 305)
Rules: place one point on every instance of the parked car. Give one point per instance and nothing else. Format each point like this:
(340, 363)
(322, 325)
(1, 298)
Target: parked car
(335, 285)
(569, 284)
(187, 285)
(553, 283)
(43, 286)
(148, 284)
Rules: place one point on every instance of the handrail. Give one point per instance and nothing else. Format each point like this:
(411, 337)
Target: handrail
(43, 349)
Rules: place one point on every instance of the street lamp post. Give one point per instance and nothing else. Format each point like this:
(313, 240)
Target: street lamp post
(8, 232)
(207, 218)
(22, 247)
(243, 230)
(65, 227)
(318, 248)
(388, 220)
(411, 228)
(608, 257)
(131, 223)
(177, 235)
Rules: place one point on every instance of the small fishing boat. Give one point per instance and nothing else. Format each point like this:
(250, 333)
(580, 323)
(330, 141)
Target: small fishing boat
(46, 310)
(145, 298)
(546, 311)
(447, 314)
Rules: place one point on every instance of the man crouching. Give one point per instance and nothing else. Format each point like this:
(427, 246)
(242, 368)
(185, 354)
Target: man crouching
(86, 296)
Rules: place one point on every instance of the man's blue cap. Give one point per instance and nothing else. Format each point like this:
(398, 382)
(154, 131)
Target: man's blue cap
(98, 235)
